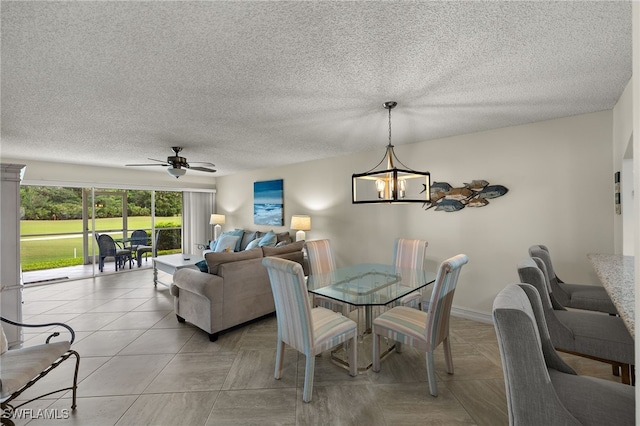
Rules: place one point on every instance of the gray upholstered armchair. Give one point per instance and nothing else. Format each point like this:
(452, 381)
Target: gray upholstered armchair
(541, 388)
(577, 296)
(596, 336)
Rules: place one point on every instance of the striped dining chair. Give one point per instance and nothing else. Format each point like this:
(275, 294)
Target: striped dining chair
(309, 331)
(321, 263)
(409, 257)
(423, 330)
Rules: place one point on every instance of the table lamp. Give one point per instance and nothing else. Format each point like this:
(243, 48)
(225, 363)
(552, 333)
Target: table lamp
(217, 220)
(300, 223)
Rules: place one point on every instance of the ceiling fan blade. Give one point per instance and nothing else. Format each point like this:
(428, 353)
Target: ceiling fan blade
(202, 169)
(178, 162)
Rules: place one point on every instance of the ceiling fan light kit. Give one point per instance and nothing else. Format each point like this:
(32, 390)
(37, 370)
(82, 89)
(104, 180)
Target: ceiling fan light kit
(178, 165)
(176, 172)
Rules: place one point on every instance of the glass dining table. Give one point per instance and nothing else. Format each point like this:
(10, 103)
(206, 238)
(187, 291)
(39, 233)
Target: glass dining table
(366, 287)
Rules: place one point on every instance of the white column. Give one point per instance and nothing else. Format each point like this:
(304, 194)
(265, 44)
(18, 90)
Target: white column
(10, 272)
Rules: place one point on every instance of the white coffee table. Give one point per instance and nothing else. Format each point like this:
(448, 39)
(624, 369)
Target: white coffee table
(170, 263)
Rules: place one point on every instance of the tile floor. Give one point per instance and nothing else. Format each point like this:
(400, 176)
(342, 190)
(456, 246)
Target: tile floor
(140, 366)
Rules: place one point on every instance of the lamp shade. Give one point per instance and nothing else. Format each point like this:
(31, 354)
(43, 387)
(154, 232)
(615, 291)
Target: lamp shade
(300, 223)
(217, 219)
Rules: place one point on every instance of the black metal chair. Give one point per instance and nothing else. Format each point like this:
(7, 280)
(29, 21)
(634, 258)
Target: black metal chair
(22, 368)
(108, 248)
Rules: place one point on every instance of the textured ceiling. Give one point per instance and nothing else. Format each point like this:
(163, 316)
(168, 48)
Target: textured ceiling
(247, 85)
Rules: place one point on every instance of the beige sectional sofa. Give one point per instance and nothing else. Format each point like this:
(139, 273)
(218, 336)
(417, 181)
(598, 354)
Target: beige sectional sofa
(236, 289)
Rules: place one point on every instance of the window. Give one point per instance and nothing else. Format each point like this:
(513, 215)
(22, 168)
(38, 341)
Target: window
(58, 225)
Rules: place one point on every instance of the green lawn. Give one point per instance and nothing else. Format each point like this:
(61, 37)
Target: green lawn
(64, 250)
(30, 227)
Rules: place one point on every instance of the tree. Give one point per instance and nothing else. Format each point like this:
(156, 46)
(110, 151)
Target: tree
(50, 202)
(168, 203)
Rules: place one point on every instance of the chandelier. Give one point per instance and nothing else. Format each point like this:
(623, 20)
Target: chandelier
(390, 184)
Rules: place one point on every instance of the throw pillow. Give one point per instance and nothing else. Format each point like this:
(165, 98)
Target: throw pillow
(226, 243)
(284, 237)
(237, 233)
(202, 265)
(234, 233)
(269, 239)
(247, 237)
(253, 244)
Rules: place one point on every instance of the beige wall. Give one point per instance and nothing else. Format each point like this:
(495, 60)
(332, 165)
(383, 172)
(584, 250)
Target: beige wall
(559, 175)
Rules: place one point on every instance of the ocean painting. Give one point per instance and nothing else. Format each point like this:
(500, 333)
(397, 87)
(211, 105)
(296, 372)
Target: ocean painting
(268, 203)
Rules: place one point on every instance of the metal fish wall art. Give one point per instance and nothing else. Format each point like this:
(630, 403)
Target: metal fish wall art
(446, 198)
(492, 191)
(449, 205)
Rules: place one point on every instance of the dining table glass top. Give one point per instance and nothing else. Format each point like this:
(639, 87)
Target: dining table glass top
(369, 284)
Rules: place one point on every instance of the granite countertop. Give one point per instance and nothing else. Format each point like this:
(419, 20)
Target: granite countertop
(617, 275)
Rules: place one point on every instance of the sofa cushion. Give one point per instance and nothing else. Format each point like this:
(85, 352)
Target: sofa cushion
(227, 243)
(269, 239)
(287, 248)
(21, 365)
(216, 259)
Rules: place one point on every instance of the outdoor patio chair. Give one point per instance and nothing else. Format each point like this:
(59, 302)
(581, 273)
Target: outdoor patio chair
(138, 243)
(108, 248)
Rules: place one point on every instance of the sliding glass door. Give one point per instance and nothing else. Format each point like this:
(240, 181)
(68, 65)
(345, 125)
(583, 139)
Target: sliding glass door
(59, 226)
(51, 232)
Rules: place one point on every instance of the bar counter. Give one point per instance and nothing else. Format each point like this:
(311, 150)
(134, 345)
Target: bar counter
(616, 272)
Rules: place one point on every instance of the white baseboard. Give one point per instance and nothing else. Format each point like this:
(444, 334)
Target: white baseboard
(471, 315)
